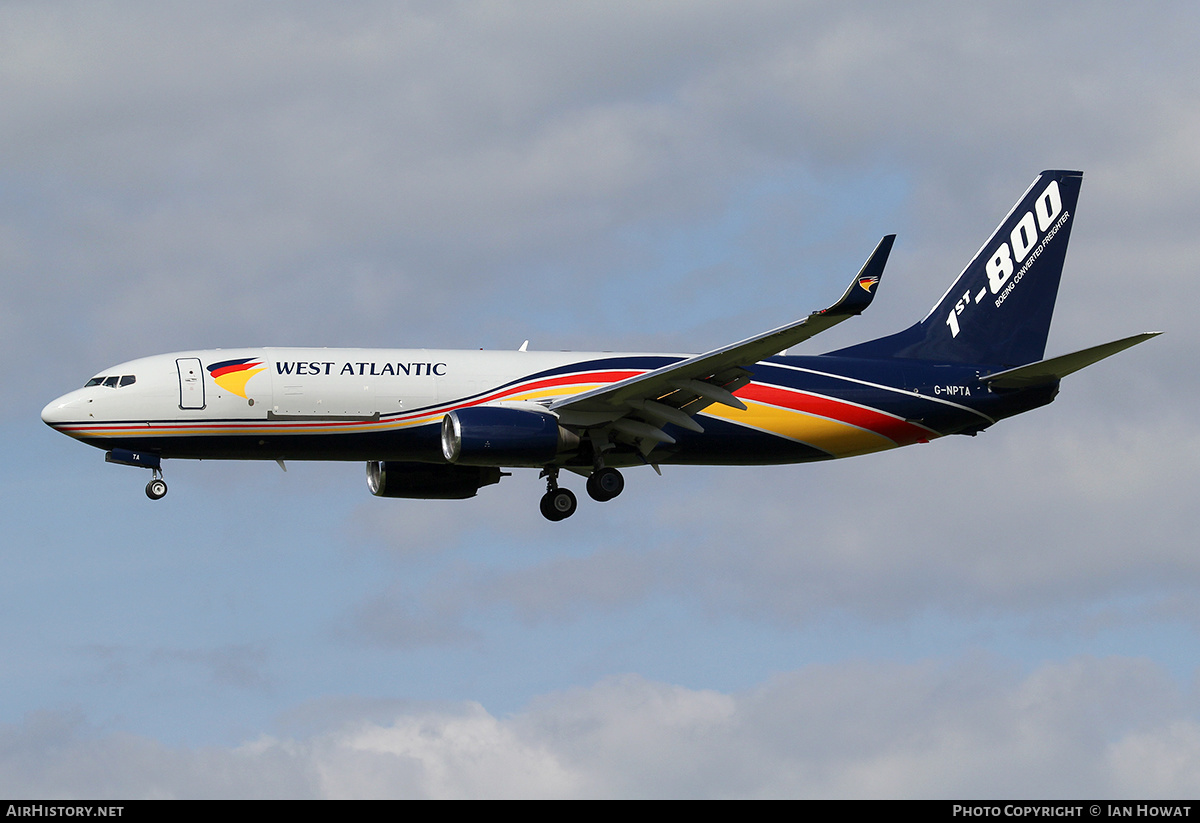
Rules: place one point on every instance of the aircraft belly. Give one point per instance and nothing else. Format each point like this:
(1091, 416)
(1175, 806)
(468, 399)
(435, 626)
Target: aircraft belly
(725, 443)
(246, 440)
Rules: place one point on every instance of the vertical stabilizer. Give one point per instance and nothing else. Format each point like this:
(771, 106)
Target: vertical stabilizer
(998, 310)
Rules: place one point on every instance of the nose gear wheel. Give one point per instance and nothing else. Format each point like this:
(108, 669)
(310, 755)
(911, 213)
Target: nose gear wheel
(156, 489)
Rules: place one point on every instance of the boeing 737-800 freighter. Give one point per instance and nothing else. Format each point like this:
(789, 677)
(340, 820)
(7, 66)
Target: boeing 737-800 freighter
(444, 424)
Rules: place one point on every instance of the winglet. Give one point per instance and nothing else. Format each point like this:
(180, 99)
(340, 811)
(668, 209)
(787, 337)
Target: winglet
(862, 288)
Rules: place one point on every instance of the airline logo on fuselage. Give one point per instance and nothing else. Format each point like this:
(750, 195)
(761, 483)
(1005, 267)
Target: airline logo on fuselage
(363, 369)
(232, 375)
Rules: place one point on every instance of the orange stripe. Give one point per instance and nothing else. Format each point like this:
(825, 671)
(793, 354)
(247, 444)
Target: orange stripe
(894, 428)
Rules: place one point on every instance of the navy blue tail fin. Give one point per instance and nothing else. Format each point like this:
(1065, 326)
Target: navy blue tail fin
(998, 310)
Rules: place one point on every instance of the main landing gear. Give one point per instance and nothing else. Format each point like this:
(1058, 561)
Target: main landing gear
(556, 504)
(605, 484)
(559, 503)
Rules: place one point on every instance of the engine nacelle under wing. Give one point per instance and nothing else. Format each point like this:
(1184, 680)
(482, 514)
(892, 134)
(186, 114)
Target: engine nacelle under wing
(428, 481)
(503, 436)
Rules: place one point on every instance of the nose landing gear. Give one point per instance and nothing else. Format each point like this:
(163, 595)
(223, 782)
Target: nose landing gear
(156, 489)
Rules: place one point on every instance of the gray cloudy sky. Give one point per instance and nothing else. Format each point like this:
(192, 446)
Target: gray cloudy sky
(1010, 615)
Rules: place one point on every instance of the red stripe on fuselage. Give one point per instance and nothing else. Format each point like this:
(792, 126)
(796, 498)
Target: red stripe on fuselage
(548, 383)
(890, 426)
(238, 367)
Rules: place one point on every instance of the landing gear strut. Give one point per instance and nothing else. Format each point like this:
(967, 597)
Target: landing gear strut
(557, 504)
(156, 489)
(605, 484)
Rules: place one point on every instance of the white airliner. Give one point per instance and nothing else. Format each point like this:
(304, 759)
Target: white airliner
(443, 424)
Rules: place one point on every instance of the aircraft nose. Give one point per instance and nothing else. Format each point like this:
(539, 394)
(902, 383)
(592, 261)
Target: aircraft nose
(62, 410)
(53, 413)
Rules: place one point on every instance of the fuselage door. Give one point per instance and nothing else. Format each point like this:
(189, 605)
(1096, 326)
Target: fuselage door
(191, 383)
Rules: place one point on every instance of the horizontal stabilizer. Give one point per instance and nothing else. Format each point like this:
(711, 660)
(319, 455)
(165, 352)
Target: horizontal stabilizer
(1056, 368)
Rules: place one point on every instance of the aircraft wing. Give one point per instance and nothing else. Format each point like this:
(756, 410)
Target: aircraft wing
(673, 394)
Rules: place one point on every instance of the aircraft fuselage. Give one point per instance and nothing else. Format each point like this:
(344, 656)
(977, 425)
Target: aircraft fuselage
(389, 404)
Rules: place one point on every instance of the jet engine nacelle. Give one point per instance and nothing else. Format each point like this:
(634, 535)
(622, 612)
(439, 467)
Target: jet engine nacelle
(504, 436)
(427, 481)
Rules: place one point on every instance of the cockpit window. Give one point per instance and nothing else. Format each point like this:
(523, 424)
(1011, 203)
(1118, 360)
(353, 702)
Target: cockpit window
(113, 381)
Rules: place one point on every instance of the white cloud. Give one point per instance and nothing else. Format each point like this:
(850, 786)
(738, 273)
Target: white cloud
(1108, 727)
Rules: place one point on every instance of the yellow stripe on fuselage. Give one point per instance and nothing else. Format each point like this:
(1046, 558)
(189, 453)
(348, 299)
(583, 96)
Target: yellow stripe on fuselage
(832, 436)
